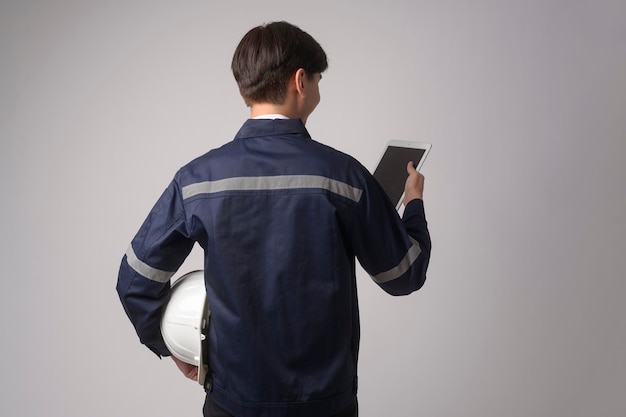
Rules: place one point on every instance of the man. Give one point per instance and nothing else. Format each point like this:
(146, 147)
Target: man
(281, 219)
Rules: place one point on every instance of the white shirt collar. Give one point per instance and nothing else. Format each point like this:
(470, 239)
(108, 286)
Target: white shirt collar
(272, 116)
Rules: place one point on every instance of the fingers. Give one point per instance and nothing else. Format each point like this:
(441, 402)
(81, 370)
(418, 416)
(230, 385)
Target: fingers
(190, 371)
(414, 186)
(410, 169)
(193, 373)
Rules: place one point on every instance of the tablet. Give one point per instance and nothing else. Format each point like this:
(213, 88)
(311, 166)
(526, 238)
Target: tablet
(391, 170)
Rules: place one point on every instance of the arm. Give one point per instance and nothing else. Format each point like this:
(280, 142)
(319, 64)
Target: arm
(395, 252)
(414, 218)
(155, 254)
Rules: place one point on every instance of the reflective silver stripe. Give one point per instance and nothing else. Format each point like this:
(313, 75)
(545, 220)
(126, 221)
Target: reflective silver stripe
(279, 182)
(402, 267)
(146, 270)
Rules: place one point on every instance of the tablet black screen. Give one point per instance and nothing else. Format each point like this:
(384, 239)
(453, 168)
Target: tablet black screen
(391, 170)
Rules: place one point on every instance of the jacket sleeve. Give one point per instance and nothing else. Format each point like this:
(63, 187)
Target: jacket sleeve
(153, 257)
(394, 252)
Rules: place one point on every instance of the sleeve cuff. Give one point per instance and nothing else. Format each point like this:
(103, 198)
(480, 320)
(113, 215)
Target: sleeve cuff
(414, 208)
(160, 350)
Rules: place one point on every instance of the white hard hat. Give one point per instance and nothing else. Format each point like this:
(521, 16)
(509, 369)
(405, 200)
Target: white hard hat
(185, 321)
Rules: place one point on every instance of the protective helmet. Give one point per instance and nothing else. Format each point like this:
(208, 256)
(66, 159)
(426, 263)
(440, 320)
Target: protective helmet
(185, 321)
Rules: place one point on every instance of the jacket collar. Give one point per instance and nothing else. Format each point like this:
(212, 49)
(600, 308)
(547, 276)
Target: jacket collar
(263, 127)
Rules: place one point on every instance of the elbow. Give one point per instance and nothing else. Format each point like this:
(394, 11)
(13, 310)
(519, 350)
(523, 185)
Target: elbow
(411, 281)
(403, 286)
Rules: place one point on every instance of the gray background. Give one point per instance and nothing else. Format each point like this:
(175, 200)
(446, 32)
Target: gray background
(524, 102)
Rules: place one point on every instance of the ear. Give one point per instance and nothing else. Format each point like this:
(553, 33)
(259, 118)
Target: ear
(300, 81)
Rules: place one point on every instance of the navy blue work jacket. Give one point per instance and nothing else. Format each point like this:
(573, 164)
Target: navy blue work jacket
(281, 219)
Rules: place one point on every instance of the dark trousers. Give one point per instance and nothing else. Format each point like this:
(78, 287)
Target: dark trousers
(213, 410)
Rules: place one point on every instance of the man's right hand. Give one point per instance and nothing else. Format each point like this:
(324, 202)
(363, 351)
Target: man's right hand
(414, 185)
(190, 371)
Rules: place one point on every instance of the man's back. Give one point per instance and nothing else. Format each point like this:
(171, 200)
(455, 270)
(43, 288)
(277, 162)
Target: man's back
(279, 266)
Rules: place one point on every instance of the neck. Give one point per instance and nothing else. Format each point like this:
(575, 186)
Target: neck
(287, 109)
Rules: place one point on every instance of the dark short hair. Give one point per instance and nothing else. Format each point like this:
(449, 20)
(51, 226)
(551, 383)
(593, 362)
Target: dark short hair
(269, 55)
